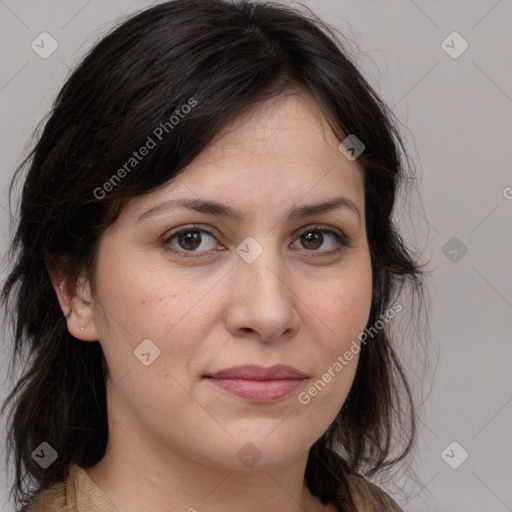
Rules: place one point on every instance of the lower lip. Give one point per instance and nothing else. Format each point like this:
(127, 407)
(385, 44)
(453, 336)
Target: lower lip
(259, 390)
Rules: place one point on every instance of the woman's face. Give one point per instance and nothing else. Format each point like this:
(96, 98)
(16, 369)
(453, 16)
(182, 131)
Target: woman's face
(260, 277)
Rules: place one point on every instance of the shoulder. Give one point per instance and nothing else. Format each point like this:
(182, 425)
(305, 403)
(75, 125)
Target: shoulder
(52, 499)
(368, 497)
(77, 493)
(60, 497)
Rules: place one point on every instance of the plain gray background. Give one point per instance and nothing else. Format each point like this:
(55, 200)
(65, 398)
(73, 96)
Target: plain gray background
(458, 113)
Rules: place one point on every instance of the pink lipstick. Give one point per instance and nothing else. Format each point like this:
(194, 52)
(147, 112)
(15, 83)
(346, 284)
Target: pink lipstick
(257, 383)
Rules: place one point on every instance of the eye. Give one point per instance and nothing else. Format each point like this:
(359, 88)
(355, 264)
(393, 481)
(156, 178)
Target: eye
(189, 239)
(315, 237)
(193, 241)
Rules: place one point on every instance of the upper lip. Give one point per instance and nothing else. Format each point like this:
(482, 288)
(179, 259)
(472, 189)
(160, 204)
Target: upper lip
(254, 372)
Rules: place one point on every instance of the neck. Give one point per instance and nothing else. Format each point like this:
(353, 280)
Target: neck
(148, 478)
(134, 485)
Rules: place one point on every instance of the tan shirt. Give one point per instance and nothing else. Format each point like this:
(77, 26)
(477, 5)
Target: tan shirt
(78, 493)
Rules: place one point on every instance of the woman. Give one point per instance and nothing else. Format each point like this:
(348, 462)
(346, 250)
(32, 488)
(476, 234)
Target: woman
(204, 269)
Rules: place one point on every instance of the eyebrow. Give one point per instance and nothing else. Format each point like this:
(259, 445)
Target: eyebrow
(223, 210)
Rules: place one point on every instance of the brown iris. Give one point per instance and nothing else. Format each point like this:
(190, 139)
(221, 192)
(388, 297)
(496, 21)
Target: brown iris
(312, 239)
(189, 239)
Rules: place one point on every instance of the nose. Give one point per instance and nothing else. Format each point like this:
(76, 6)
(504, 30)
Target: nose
(263, 303)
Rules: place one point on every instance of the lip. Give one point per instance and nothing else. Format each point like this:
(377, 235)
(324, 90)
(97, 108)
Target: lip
(258, 383)
(254, 372)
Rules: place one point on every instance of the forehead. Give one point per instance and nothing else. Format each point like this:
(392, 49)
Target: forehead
(289, 127)
(278, 152)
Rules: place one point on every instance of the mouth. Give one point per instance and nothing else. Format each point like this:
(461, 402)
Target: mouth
(257, 383)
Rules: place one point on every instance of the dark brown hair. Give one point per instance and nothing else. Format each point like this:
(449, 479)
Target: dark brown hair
(226, 56)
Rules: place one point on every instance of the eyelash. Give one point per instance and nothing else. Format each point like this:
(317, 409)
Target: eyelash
(342, 240)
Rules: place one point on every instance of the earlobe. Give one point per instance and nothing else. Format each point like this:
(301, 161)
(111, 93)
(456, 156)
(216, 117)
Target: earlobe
(76, 304)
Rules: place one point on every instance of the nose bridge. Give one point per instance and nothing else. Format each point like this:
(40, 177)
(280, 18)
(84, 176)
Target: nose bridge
(267, 298)
(263, 267)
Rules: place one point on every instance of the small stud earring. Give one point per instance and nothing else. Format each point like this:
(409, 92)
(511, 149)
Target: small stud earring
(81, 327)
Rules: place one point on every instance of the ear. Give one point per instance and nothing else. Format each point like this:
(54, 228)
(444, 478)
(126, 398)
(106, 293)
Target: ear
(75, 300)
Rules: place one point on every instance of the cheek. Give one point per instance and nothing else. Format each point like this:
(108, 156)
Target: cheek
(342, 306)
(341, 311)
(142, 300)
(341, 314)
(142, 295)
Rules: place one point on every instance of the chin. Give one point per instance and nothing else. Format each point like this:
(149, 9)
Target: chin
(247, 452)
